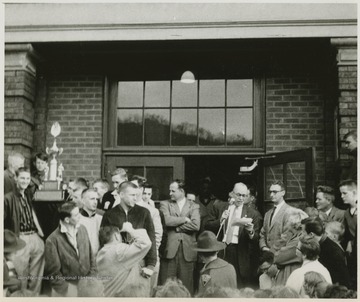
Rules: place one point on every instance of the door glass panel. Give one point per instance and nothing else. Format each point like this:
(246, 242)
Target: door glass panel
(184, 95)
(295, 184)
(130, 94)
(272, 173)
(160, 178)
(239, 127)
(129, 127)
(239, 93)
(157, 127)
(211, 127)
(212, 93)
(184, 127)
(157, 94)
(134, 171)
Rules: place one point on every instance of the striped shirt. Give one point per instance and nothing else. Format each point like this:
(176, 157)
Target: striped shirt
(26, 217)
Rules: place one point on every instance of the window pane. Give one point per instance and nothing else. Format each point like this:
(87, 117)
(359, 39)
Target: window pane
(133, 170)
(239, 93)
(184, 95)
(157, 94)
(130, 94)
(212, 93)
(157, 127)
(211, 127)
(160, 178)
(295, 184)
(129, 127)
(184, 127)
(272, 173)
(239, 126)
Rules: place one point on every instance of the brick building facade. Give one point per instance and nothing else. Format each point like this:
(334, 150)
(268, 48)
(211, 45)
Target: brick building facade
(309, 94)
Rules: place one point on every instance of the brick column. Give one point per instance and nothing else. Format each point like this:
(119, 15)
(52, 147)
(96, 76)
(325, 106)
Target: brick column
(20, 85)
(347, 91)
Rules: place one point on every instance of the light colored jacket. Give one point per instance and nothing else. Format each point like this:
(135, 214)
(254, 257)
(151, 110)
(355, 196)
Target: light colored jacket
(179, 231)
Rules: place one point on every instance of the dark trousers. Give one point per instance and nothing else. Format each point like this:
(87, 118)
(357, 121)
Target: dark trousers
(178, 267)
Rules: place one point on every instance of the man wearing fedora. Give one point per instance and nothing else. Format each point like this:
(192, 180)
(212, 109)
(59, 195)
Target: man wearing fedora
(216, 272)
(12, 243)
(20, 218)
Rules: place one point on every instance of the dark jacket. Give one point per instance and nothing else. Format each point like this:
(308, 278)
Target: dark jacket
(61, 259)
(333, 258)
(108, 197)
(217, 273)
(9, 182)
(140, 218)
(12, 210)
(247, 248)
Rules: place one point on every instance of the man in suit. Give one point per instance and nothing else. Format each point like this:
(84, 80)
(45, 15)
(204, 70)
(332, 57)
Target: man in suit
(325, 197)
(241, 237)
(275, 218)
(331, 254)
(182, 219)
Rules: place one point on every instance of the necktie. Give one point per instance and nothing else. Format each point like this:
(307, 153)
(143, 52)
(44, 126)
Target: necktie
(230, 229)
(272, 214)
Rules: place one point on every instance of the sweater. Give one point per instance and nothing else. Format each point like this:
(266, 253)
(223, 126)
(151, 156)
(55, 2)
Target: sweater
(140, 218)
(92, 225)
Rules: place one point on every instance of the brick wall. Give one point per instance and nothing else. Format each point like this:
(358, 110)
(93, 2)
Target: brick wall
(295, 119)
(19, 112)
(76, 103)
(347, 104)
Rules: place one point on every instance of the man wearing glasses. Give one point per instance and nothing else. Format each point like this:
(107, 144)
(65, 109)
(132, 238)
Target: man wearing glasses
(275, 218)
(238, 226)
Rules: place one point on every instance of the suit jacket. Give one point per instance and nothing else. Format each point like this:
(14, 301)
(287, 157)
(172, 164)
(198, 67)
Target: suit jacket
(334, 259)
(178, 230)
(336, 215)
(269, 234)
(247, 248)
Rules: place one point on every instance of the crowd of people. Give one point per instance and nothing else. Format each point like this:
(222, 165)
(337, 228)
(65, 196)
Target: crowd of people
(120, 243)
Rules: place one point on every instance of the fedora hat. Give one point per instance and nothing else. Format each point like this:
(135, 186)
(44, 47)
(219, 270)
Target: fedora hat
(207, 242)
(12, 243)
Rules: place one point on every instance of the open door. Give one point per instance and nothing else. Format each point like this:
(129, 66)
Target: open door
(296, 170)
(159, 171)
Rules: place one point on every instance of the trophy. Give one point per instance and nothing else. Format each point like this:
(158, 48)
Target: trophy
(53, 178)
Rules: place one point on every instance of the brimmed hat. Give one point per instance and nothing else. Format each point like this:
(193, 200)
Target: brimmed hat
(12, 243)
(207, 242)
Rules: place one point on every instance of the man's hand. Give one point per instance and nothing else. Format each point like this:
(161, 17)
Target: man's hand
(224, 215)
(187, 219)
(265, 248)
(146, 272)
(127, 227)
(249, 227)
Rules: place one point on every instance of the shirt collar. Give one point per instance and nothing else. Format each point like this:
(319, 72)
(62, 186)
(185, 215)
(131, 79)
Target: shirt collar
(278, 206)
(328, 211)
(86, 214)
(64, 228)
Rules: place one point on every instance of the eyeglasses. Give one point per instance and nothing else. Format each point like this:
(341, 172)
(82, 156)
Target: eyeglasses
(273, 191)
(238, 194)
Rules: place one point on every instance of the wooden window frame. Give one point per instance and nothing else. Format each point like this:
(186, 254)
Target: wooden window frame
(110, 118)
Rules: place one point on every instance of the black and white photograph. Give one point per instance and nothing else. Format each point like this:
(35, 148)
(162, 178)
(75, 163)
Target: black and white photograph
(180, 149)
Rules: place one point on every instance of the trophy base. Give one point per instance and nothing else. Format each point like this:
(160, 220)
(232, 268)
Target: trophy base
(49, 193)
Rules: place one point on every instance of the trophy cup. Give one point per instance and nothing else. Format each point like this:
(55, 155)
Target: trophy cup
(51, 190)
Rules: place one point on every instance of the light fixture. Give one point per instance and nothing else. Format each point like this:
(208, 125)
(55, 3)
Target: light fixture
(187, 77)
